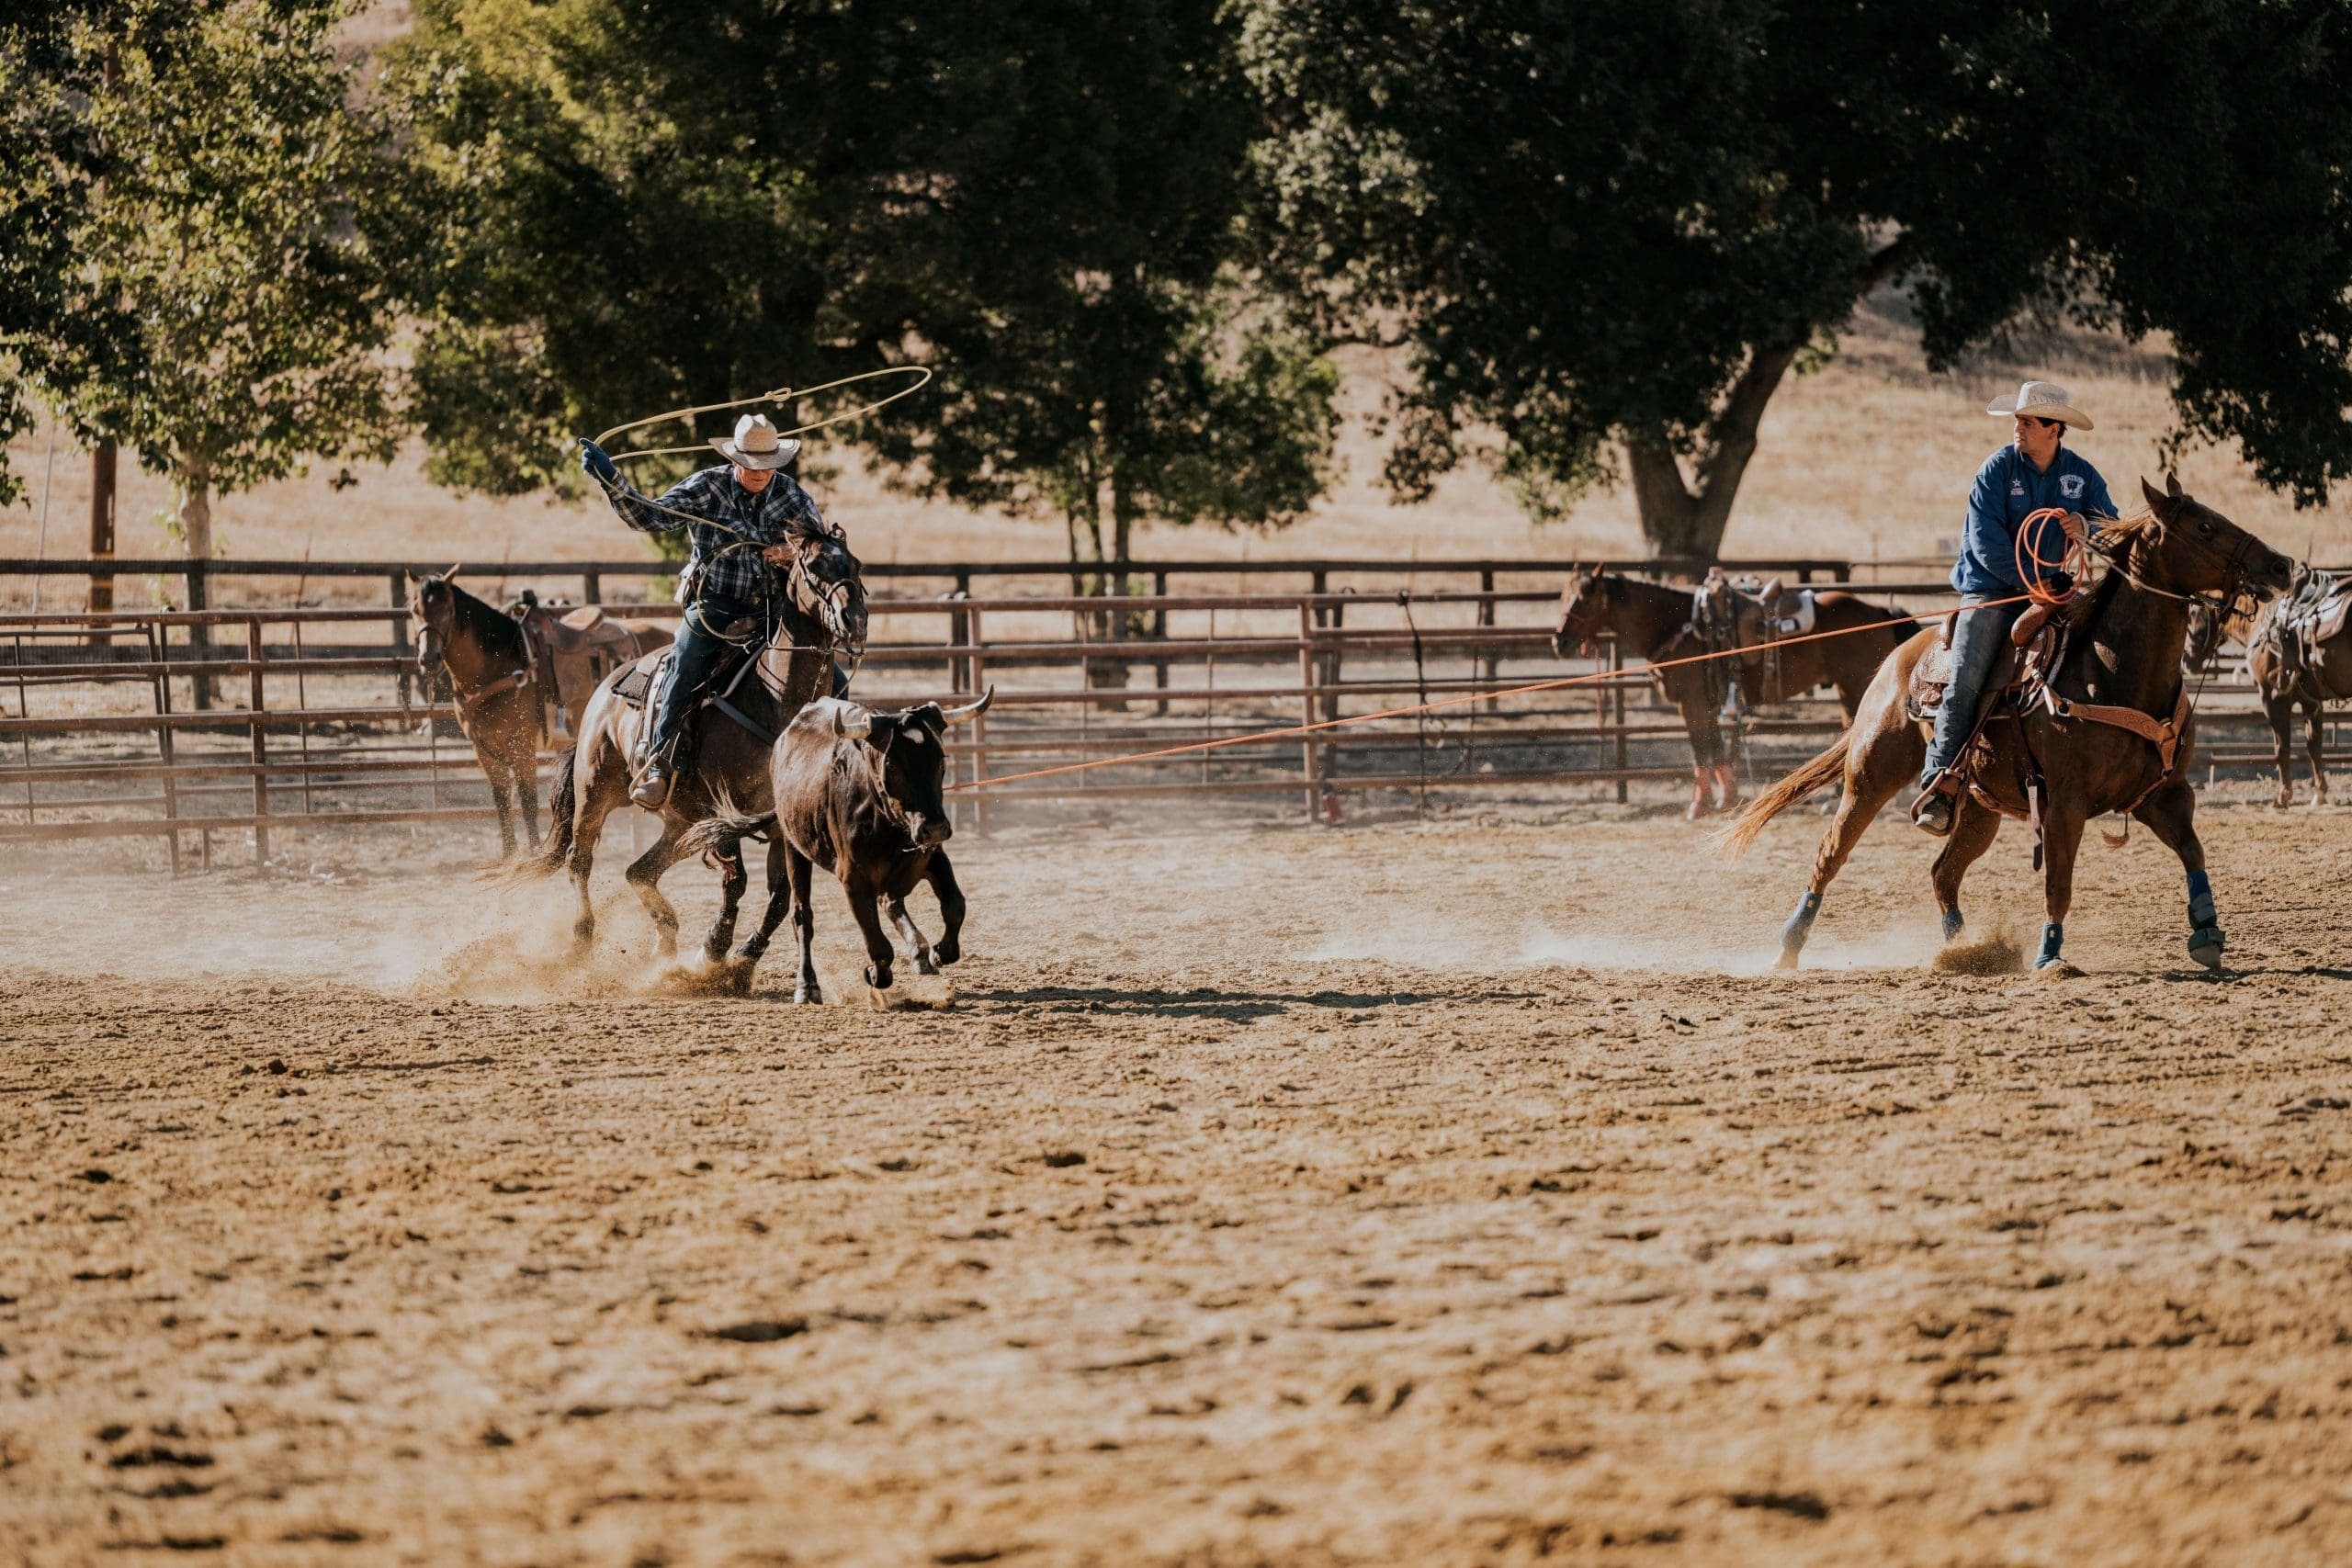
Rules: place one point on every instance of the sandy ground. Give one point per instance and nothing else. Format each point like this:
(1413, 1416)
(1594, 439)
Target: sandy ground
(1444, 1190)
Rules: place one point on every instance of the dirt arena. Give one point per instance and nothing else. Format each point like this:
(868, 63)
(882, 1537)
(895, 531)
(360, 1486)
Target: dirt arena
(1447, 1190)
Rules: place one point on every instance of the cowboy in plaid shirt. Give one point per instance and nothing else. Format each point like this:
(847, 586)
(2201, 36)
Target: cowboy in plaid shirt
(735, 516)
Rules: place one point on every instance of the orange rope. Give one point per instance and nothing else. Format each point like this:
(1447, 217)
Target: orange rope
(2032, 564)
(1592, 679)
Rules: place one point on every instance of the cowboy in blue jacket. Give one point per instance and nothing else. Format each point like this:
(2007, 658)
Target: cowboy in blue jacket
(2034, 471)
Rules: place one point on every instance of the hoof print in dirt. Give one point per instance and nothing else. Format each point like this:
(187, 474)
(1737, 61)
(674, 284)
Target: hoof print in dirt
(761, 1330)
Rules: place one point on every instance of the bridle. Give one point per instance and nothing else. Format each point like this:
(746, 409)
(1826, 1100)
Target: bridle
(2222, 603)
(1570, 634)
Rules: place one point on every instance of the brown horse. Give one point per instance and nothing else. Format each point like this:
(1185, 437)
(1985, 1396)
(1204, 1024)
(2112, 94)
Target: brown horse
(822, 610)
(2113, 732)
(1659, 622)
(2319, 673)
(487, 664)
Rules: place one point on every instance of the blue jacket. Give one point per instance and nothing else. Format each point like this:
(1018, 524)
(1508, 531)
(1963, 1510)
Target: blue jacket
(2006, 489)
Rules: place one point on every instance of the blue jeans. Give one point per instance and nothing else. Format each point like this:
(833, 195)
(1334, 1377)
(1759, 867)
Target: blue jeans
(697, 653)
(1976, 642)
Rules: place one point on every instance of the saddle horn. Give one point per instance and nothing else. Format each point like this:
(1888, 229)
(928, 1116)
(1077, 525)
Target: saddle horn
(970, 710)
(851, 722)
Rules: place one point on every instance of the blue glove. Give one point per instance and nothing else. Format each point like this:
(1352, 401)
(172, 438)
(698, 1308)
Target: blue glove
(596, 464)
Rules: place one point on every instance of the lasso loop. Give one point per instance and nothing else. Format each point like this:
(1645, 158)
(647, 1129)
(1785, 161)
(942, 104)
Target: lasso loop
(921, 374)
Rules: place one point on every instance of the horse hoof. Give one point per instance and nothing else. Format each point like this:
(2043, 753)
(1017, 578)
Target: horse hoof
(923, 965)
(2205, 945)
(1696, 814)
(807, 995)
(949, 951)
(1788, 959)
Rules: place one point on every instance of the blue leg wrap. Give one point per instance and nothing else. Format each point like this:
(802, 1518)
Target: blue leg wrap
(2205, 938)
(2200, 900)
(1800, 924)
(2053, 937)
(1952, 924)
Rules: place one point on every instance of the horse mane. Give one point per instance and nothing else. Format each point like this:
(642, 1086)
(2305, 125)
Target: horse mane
(492, 628)
(2116, 540)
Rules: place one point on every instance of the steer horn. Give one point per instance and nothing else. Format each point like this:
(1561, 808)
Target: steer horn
(451, 575)
(970, 710)
(852, 722)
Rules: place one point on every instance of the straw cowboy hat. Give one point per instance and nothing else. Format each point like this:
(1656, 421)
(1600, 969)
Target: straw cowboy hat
(755, 444)
(2043, 400)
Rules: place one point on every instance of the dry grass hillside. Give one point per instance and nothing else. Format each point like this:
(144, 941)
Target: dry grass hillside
(1870, 457)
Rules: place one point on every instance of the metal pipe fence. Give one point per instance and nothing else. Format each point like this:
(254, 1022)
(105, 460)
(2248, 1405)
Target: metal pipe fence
(120, 724)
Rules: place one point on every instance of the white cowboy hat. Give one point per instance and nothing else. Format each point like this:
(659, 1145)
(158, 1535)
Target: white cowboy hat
(755, 444)
(2043, 400)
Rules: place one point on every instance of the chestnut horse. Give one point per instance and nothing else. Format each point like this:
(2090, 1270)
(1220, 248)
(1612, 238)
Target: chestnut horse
(1655, 620)
(2112, 732)
(823, 609)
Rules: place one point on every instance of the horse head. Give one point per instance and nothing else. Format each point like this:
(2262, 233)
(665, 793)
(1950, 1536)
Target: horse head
(433, 604)
(827, 584)
(2186, 547)
(1584, 609)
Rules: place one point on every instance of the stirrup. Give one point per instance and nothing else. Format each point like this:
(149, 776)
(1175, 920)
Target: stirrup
(651, 788)
(1936, 806)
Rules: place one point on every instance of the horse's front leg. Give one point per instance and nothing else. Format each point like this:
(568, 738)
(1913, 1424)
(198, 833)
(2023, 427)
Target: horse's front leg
(1971, 836)
(645, 875)
(2171, 815)
(502, 797)
(2062, 822)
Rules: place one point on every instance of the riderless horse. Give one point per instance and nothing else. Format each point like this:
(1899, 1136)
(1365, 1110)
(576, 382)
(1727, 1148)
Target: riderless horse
(1662, 623)
(2107, 728)
(505, 690)
(2299, 655)
(821, 612)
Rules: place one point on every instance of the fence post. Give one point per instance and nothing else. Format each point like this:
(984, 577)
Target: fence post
(975, 665)
(261, 746)
(1160, 633)
(1490, 664)
(592, 587)
(398, 621)
(1307, 703)
(1617, 710)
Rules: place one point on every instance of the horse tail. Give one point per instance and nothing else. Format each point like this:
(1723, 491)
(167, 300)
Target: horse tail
(720, 833)
(561, 802)
(1826, 768)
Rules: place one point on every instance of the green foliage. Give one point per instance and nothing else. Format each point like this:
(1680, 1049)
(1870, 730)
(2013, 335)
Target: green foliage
(201, 280)
(656, 205)
(1591, 227)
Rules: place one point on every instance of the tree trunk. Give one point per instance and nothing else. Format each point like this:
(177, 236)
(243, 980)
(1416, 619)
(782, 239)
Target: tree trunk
(194, 517)
(1678, 519)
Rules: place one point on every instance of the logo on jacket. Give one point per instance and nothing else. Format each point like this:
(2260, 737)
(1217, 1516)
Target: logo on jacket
(2071, 486)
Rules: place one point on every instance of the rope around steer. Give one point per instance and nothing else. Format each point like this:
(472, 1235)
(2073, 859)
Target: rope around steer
(1429, 706)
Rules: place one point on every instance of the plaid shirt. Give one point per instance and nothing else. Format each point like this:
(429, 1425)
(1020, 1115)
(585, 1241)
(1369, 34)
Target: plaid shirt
(723, 559)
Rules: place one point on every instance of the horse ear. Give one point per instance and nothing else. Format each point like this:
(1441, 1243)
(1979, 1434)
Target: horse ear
(2172, 485)
(2158, 501)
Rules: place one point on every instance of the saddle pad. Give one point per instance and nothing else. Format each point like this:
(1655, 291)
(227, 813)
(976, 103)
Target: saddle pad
(2328, 621)
(638, 679)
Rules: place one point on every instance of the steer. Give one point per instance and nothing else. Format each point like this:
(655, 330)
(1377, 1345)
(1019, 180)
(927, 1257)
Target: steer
(860, 794)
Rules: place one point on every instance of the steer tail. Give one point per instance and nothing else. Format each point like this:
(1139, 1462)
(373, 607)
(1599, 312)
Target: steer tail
(1826, 768)
(718, 833)
(557, 848)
